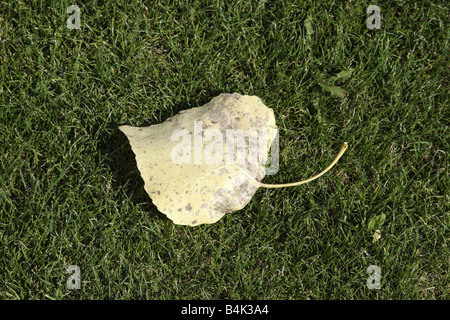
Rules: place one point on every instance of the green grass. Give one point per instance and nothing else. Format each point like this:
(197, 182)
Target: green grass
(70, 193)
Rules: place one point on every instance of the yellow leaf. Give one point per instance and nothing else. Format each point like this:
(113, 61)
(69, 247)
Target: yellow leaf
(207, 161)
(376, 235)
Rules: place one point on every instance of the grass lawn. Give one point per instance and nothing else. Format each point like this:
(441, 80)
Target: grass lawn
(70, 192)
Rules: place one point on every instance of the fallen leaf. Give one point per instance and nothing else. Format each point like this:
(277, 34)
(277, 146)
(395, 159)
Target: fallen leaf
(328, 84)
(376, 235)
(195, 183)
(376, 222)
(343, 75)
(309, 27)
(334, 90)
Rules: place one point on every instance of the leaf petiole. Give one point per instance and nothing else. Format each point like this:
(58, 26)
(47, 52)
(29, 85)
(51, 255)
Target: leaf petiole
(293, 184)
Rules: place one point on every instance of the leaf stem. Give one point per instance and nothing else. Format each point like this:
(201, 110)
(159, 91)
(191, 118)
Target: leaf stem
(293, 184)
